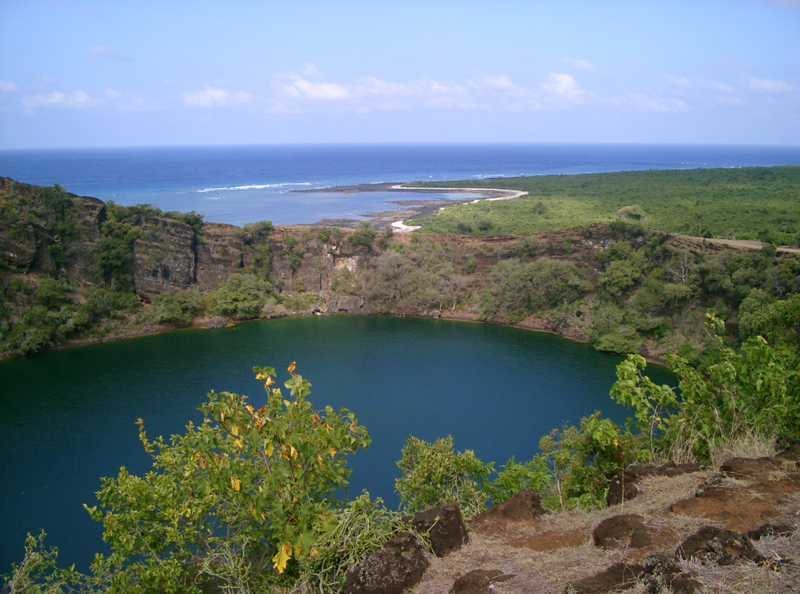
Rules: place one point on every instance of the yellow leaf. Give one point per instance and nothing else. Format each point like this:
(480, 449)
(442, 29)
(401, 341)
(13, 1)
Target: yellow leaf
(260, 376)
(263, 516)
(287, 404)
(314, 551)
(235, 430)
(319, 459)
(297, 551)
(222, 417)
(291, 367)
(238, 443)
(282, 558)
(293, 451)
(269, 449)
(332, 452)
(235, 484)
(284, 452)
(250, 409)
(269, 381)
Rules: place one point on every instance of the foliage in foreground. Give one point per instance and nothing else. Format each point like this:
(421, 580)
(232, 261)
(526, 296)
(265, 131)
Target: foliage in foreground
(246, 498)
(433, 474)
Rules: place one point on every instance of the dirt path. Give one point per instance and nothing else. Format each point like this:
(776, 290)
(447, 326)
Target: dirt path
(742, 244)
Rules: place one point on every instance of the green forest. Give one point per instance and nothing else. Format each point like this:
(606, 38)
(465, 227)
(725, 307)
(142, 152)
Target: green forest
(744, 203)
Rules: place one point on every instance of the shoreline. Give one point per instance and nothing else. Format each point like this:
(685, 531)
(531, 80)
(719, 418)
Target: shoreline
(202, 324)
(413, 209)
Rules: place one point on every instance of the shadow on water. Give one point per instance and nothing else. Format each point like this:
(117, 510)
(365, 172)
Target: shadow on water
(67, 416)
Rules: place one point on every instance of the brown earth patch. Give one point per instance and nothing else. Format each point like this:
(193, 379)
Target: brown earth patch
(550, 553)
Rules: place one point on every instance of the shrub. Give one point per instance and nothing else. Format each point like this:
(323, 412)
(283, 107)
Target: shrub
(237, 499)
(241, 297)
(584, 459)
(515, 477)
(363, 235)
(180, 308)
(433, 474)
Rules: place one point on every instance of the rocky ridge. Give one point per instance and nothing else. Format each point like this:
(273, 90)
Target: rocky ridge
(731, 529)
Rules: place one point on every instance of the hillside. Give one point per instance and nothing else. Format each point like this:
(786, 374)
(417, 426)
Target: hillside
(75, 269)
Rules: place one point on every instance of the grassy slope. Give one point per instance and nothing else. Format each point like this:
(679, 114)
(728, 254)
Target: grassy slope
(710, 202)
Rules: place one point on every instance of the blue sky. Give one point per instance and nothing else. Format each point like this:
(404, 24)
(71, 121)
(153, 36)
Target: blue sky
(91, 73)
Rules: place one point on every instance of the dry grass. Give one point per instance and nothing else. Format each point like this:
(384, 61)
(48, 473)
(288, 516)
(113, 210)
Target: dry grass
(516, 548)
(749, 445)
(535, 572)
(780, 574)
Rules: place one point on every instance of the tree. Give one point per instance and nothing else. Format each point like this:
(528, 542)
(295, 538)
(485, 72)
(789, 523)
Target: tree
(236, 499)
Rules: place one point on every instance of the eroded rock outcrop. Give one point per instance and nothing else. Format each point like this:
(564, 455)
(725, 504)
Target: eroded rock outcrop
(445, 526)
(399, 565)
(716, 545)
(627, 530)
(164, 258)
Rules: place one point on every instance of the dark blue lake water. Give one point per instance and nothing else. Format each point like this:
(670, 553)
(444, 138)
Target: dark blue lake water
(244, 184)
(67, 416)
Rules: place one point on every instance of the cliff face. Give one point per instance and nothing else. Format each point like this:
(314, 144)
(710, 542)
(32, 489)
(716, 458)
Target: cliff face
(220, 252)
(164, 258)
(26, 234)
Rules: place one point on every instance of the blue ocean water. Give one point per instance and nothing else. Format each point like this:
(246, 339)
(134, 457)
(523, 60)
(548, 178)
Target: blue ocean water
(240, 184)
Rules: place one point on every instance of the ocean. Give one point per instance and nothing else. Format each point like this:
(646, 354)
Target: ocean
(242, 184)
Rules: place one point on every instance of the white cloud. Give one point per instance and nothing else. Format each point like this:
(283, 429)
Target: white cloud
(722, 88)
(309, 69)
(103, 51)
(498, 83)
(130, 101)
(75, 100)
(6, 86)
(765, 85)
(581, 64)
(650, 103)
(301, 87)
(677, 80)
(213, 97)
(563, 86)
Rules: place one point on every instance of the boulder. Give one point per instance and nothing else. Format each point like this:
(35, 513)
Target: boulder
(769, 529)
(445, 527)
(619, 576)
(716, 545)
(396, 567)
(657, 572)
(479, 581)
(525, 505)
(627, 530)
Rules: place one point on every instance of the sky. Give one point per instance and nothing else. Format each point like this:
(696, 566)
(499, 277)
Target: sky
(81, 73)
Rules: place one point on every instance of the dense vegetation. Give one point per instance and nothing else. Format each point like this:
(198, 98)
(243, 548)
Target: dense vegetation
(247, 499)
(747, 203)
